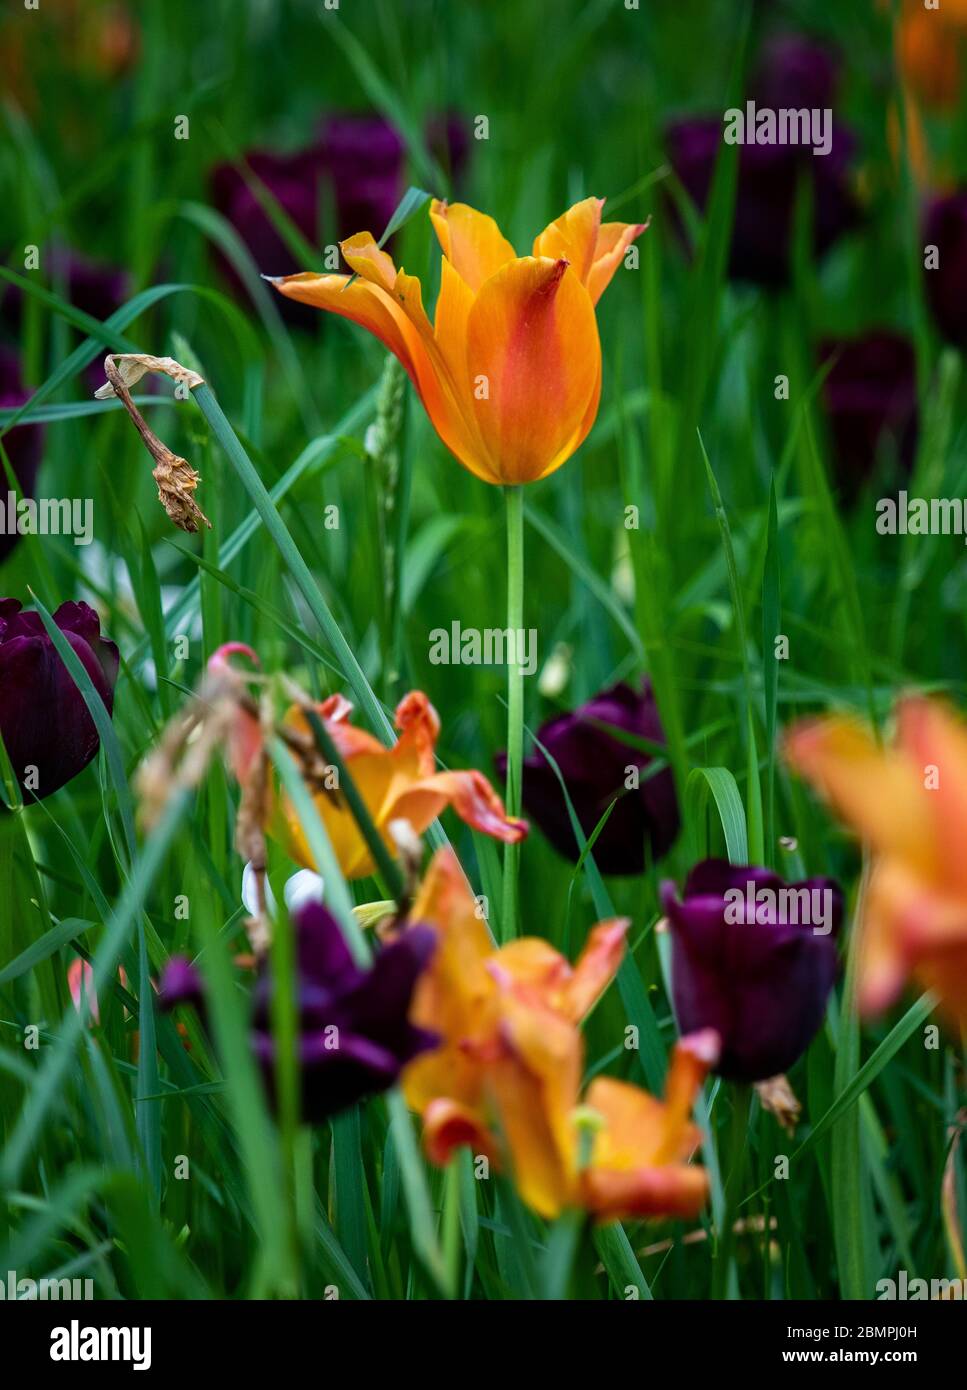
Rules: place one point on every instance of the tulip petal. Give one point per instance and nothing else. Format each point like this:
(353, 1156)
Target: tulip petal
(534, 1085)
(935, 738)
(365, 303)
(80, 982)
(534, 357)
(448, 1126)
(470, 795)
(879, 792)
(594, 249)
(43, 716)
(573, 237)
(443, 385)
(596, 966)
(893, 897)
(692, 1059)
(364, 257)
(534, 967)
(615, 1195)
(614, 238)
(471, 241)
(637, 1166)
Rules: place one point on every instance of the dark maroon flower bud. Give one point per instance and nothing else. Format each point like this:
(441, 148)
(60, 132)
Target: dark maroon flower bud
(24, 444)
(94, 287)
(793, 74)
(356, 161)
(180, 984)
(945, 228)
(795, 71)
(754, 958)
(448, 139)
(294, 181)
(354, 1030)
(363, 157)
(597, 767)
(47, 729)
(871, 403)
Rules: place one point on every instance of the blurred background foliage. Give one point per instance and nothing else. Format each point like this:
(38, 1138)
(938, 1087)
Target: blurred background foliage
(577, 97)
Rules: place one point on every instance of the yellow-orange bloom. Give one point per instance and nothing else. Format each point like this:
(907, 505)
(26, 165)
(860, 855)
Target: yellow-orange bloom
(908, 802)
(506, 1078)
(510, 370)
(398, 783)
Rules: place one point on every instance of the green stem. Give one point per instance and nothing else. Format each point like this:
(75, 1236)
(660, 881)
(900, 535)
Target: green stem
(515, 698)
(738, 1148)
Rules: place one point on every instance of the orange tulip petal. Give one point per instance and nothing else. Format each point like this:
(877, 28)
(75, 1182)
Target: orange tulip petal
(879, 792)
(893, 899)
(369, 305)
(451, 993)
(593, 248)
(633, 1124)
(533, 967)
(537, 972)
(676, 1190)
(534, 1084)
(573, 237)
(614, 238)
(448, 1126)
(533, 352)
(419, 727)
(692, 1058)
(908, 928)
(471, 241)
(396, 317)
(364, 257)
(936, 741)
(470, 795)
(596, 966)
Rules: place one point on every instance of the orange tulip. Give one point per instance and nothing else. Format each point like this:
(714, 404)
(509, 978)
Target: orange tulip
(398, 783)
(506, 1078)
(908, 802)
(929, 51)
(509, 372)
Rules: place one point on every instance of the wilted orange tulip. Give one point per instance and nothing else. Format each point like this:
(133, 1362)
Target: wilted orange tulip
(908, 802)
(396, 784)
(510, 370)
(506, 1078)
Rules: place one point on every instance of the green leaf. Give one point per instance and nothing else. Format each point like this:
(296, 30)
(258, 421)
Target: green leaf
(725, 793)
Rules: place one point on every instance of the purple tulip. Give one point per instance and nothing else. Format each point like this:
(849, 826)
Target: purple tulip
(94, 287)
(871, 400)
(358, 160)
(180, 984)
(755, 959)
(24, 444)
(449, 142)
(47, 729)
(769, 176)
(945, 227)
(354, 1031)
(596, 767)
(293, 180)
(363, 158)
(793, 73)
